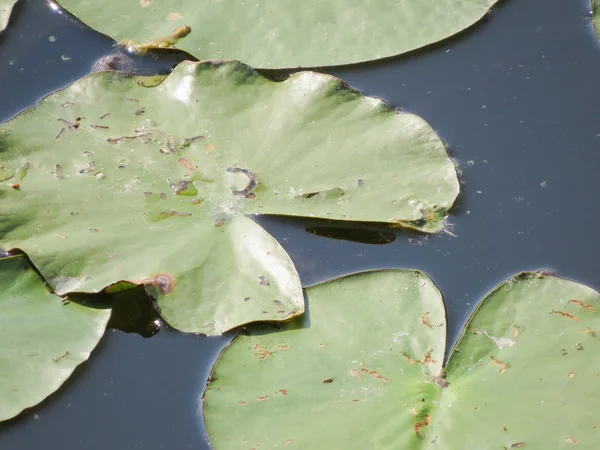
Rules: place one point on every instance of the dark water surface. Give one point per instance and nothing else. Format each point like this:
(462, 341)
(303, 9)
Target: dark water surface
(515, 99)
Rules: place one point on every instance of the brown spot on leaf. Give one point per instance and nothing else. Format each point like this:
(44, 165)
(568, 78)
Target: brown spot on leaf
(263, 281)
(420, 425)
(139, 111)
(104, 116)
(289, 441)
(187, 163)
(243, 403)
(516, 330)
(219, 223)
(428, 359)
(59, 172)
(565, 314)
(173, 213)
(408, 358)
(261, 352)
(94, 230)
(328, 380)
(571, 374)
(427, 323)
(570, 440)
(375, 375)
(518, 445)
(164, 282)
(355, 373)
(283, 391)
(99, 127)
(252, 183)
(64, 355)
(283, 347)
(589, 331)
(188, 141)
(163, 196)
(583, 305)
(503, 366)
(262, 399)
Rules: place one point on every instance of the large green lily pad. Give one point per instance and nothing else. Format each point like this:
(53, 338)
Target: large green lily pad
(42, 337)
(367, 371)
(285, 33)
(108, 182)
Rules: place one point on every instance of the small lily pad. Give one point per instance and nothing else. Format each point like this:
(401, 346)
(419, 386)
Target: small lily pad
(120, 185)
(283, 33)
(43, 338)
(366, 370)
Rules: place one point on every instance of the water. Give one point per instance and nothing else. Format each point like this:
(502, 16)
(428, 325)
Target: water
(515, 99)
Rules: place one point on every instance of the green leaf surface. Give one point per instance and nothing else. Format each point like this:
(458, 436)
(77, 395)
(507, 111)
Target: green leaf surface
(42, 338)
(118, 182)
(285, 33)
(366, 371)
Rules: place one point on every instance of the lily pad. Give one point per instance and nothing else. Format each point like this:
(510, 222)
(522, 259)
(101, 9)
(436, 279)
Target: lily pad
(284, 33)
(43, 337)
(114, 182)
(366, 372)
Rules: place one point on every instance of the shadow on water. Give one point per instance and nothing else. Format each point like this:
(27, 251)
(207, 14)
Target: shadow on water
(515, 97)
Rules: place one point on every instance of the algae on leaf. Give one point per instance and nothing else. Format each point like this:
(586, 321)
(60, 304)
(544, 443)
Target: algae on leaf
(121, 183)
(42, 337)
(367, 371)
(285, 33)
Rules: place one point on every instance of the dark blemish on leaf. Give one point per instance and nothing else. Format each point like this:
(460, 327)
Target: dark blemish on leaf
(251, 195)
(361, 182)
(589, 331)
(132, 100)
(119, 139)
(420, 425)
(88, 154)
(247, 299)
(262, 399)
(219, 223)
(279, 304)
(252, 184)
(121, 167)
(208, 325)
(59, 135)
(440, 380)
(66, 105)
(196, 201)
(99, 127)
(188, 164)
(16, 186)
(518, 445)
(427, 323)
(263, 281)
(172, 213)
(140, 111)
(184, 187)
(289, 441)
(242, 403)
(335, 192)
(583, 305)
(73, 127)
(375, 375)
(64, 355)
(103, 116)
(98, 175)
(579, 347)
(503, 366)
(188, 141)
(283, 347)
(164, 282)
(564, 352)
(545, 273)
(328, 380)
(565, 314)
(147, 193)
(90, 167)
(163, 196)
(94, 230)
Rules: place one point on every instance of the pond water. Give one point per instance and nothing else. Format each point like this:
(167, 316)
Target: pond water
(514, 98)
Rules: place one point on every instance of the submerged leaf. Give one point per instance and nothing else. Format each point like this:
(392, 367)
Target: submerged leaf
(42, 337)
(283, 33)
(366, 372)
(160, 198)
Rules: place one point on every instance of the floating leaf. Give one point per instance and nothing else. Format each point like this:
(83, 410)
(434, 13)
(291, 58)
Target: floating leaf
(284, 33)
(366, 371)
(43, 338)
(160, 197)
